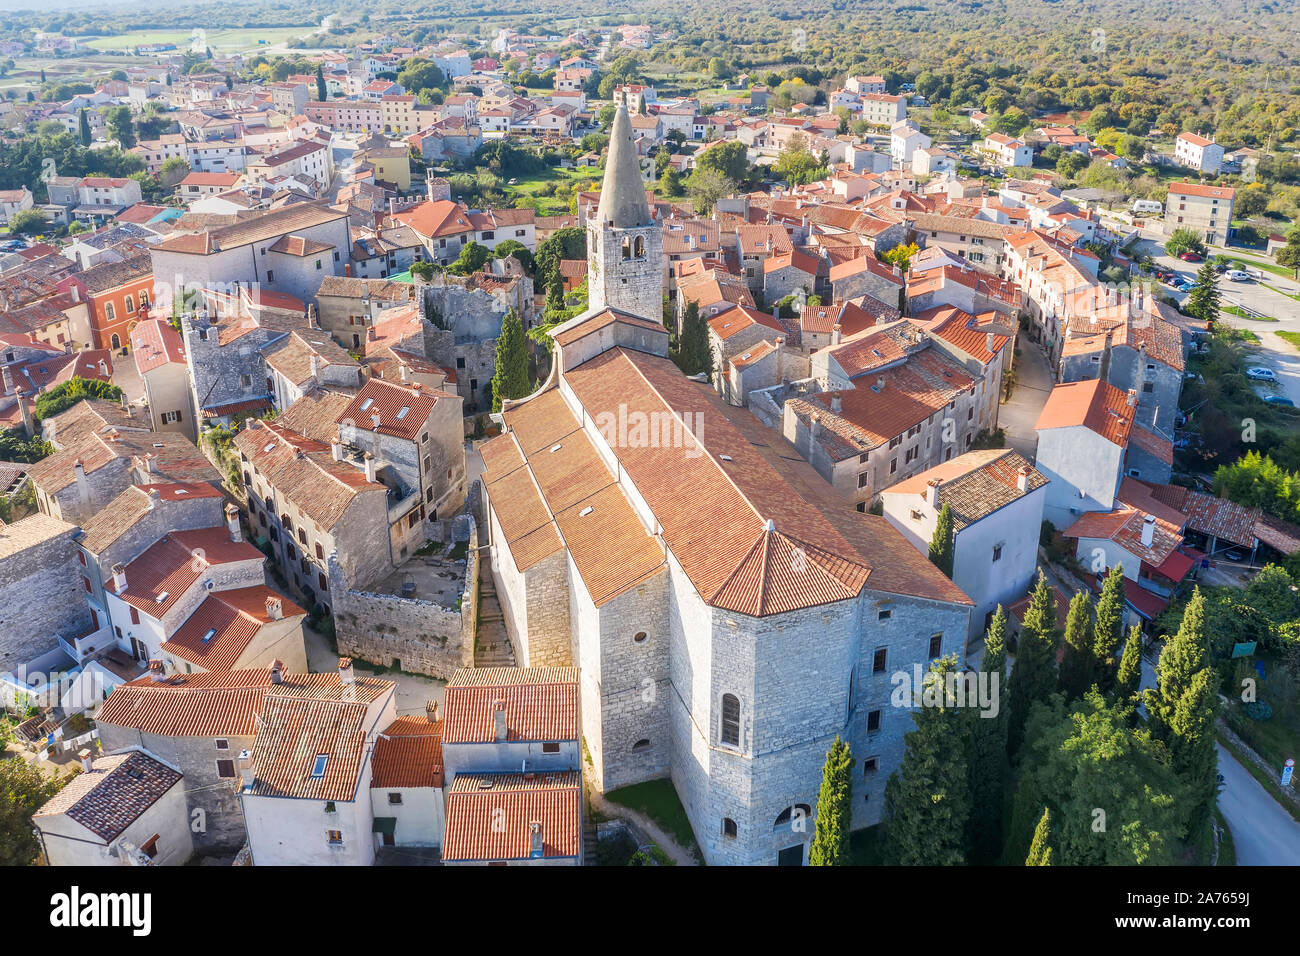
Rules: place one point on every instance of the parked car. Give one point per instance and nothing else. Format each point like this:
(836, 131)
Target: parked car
(1279, 400)
(1261, 374)
(1189, 256)
(1234, 555)
(1236, 275)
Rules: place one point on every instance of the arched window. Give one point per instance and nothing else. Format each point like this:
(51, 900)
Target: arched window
(642, 744)
(627, 249)
(286, 523)
(800, 811)
(729, 827)
(116, 342)
(109, 312)
(639, 248)
(130, 305)
(302, 535)
(731, 720)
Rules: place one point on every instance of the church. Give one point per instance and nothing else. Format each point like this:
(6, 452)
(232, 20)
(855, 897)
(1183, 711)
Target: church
(729, 614)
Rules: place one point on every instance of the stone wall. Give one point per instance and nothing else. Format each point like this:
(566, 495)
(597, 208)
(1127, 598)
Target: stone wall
(419, 636)
(40, 594)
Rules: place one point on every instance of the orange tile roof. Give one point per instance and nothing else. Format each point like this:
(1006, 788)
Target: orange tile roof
(541, 704)
(730, 321)
(603, 319)
(387, 400)
(1094, 404)
(167, 569)
(408, 753)
(293, 732)
(489, 816)
(1202, 191)
(975, 484)
(233, 618)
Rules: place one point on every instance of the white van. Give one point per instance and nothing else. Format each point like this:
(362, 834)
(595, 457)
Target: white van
(1147, 206)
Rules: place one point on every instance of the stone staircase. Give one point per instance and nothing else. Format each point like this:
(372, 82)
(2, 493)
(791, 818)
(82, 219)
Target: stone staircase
(492, 643)
(589, 844)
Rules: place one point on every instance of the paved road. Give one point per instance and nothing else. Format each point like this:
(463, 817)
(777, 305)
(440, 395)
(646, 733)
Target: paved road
(1033, 384)
(1262, 831)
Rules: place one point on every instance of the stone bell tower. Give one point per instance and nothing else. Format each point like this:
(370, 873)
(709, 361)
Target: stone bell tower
(624, 244)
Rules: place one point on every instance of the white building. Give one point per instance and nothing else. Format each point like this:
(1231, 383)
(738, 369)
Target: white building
(1197, 152)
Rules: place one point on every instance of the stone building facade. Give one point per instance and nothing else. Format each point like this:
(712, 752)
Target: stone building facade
(41, 587)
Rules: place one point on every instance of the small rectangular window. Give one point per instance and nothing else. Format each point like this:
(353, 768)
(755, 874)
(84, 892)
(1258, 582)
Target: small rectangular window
(873, 722)
(936, 646)
(334, 837)
(222, 743)
(870, 765)
(318, 768)
(878, 660)
(394, 799)
(551, 748)
(225, 768)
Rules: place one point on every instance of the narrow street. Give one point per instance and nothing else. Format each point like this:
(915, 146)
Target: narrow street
(1262, 831)
(1018, 416)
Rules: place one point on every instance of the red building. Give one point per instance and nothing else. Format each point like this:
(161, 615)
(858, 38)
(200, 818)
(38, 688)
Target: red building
(118, 295)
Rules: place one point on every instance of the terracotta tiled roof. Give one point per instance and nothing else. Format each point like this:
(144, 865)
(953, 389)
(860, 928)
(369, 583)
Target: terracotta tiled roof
(541, 704)
(975, 484)
(221, 628)
(408, 753)
(403, 411)
(489, 816)
(726, 324)
(1094, 404)
(121, 514)
(154, 343)
(294, 733)
(277, 222)
(114, 794)
(572, 331)
(158, 578)
(1201, 191)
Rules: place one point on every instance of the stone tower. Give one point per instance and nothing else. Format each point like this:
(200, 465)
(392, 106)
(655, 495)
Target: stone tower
(624, 244)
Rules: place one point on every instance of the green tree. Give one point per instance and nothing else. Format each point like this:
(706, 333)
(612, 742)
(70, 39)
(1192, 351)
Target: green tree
(1040, 851)
(1129, 679)
(172, 171)
(728, 159)
(1183, 240)
(27, 222)
(118, 120)
(942, 542)
(1289, 255)
(555, 294)
(322, 91)
(473, 257)
(927, 800)
(670, 184)
(1071, 164)
(1183, 706)
(693, 355)
(1109, 630)
(511, 377)
(1033, 678)
(706, 186)
(1078, 666)
(830, 845)
(83, 127)
(420, 75)
(988, 750)
(24, 789)
(796, 164)
(900, 255)
(1112, 790)
(1203, 300)
(62, 397)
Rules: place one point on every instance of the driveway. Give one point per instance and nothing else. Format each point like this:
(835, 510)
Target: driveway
(1018, 416)
(1262, 831)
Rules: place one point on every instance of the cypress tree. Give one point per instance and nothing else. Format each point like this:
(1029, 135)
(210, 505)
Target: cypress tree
(511, 377)
(1129, 679)
(1078, 667)
(942, 545)
(1034, 676)
(1203, 300)
(1040, 851)
(927, 801)
(830, 845)
(1109, 630)
(83, 127)
(322, 91)
(988, 750)
(693, 352)
(1183, 656)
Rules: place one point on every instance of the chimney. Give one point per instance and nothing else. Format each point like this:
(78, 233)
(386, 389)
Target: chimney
(370, 334)
(8, 374)
(431, 711)
(1022, 479)
(87, 759)
(83, 486)
(837, 404)
(837, 334)
(404, 372)
(155, 496)
(103, 368)
(932, 492)
(25, 410)
(246, 769)
(880, 383)
(232, 523)
(370, 467)
(535, 839)
(1148, 530)
(151, 463)
(347, 677)
(277, 665)
(374, 420)
(157, 670)
(1132, 397)
(988, 342)
(499, 721)
(119, 577)
(315, 367)
(336, 447)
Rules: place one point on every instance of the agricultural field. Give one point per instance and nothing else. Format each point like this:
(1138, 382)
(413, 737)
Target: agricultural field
(219, 40)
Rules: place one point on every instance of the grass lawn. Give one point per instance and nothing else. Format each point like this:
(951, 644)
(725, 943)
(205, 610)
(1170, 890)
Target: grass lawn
(658, 800)
(1239, 313)
(217, 39)
(1291, 337)
(1227, 849)
(533, 187)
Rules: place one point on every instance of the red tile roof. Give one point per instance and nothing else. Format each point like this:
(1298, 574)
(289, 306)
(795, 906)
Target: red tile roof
(403, 410)
(489, 816)
(408, 753)
(232, 619)
(541, 704)
(293, 733)
(157, 578)
(1094, 404)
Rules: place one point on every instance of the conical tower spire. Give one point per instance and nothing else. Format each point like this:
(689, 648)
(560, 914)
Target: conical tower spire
(622, 195)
